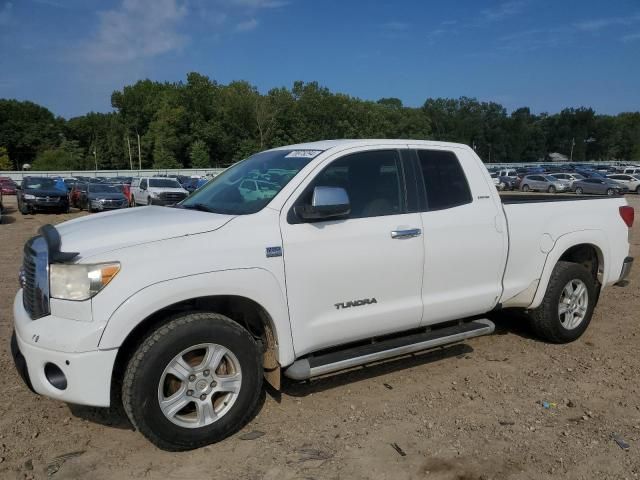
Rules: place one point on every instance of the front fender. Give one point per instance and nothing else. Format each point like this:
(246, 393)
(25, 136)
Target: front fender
(256, 284)
(597, 238)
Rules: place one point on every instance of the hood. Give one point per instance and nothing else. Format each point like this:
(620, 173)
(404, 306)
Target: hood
(110, 231)
(44, 192)
(109, 195)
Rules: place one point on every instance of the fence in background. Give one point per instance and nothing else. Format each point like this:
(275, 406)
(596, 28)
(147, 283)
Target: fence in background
(113, 173)
(215, 171)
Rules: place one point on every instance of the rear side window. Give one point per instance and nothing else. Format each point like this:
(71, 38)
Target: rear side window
(444, 180)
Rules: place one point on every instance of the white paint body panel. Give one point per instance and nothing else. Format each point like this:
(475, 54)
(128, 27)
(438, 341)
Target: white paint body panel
(469, 259)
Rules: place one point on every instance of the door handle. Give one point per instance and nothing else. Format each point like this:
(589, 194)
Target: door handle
(410, 233)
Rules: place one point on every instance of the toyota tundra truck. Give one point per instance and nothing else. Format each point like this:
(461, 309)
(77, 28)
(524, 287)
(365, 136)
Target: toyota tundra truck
(356, 251)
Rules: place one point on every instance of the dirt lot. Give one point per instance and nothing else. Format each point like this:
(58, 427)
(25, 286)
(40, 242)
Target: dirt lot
(472, 411)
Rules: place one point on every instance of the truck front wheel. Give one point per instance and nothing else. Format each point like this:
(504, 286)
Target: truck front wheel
(193, 381)
(568, 304)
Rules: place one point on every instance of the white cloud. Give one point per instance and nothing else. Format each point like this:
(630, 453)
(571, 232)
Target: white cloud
(632, 37)
(256, 4)
(396, 26)
(596, 24)
(247, 25)
(137, 29)
(5, 13)
(503, 10)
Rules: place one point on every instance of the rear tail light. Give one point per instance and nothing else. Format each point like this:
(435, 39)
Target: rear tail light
(628, 214)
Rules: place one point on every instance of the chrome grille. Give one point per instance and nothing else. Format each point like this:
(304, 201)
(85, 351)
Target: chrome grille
(35, 293)
(173, 196)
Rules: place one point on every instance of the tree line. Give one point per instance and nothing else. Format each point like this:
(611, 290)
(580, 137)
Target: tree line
(202, 123)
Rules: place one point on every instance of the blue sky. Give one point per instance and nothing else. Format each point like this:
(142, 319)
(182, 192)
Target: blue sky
(69, 55)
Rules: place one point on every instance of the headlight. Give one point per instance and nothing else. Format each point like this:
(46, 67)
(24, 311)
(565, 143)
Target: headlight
(154, 194)
(80, 282)
(28, 196)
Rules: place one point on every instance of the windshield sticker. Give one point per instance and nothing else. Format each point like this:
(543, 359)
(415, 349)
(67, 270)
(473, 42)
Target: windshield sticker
(303, 154)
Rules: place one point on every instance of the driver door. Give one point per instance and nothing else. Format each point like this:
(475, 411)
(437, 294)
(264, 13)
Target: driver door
(360, 276)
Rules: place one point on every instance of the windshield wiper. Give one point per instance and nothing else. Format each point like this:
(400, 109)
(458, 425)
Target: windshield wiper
(198, 206)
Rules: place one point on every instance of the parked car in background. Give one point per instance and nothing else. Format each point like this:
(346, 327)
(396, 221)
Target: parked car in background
(568, 177)
(125, 188)
(70, 182)
(195, 183)
(599, 186)
(41, 194)
(102, 196)
(507, 172)
(509, 182)
(157, 191)
(543, 183)
(632, 182)
(8, 186)
(632, 170)
(496, 181)
(78, 194)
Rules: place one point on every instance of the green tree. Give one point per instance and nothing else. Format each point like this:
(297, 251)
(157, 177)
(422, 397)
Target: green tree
(199, 155)
(5, 163)
(68, 156)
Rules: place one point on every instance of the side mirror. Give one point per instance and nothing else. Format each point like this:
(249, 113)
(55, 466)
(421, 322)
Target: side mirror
(142, 187)
(327, 203)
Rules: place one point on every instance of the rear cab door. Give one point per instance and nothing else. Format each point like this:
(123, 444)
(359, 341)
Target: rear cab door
(465, 234)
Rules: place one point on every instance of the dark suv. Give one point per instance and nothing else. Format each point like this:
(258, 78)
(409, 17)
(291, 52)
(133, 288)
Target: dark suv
(41, 194)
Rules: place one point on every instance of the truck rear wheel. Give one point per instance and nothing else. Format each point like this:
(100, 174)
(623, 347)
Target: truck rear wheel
(193, 381)
(568, 304)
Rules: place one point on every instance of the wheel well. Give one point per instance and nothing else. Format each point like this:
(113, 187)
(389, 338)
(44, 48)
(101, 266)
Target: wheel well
(246, 312)
(588, 256)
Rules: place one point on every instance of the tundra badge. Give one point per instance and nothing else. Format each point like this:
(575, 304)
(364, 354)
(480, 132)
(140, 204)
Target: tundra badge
(355, 303)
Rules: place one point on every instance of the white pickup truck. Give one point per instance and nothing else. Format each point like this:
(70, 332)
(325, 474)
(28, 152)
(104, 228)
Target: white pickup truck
(354, 252)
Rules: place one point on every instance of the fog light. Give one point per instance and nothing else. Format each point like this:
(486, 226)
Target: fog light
(55, 376)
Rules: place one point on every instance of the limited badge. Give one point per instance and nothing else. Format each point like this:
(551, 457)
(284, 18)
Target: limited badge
(274, 252)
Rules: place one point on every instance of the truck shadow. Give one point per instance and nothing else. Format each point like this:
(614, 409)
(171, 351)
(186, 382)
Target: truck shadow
(116, 417)
(368, 372)
(514, 322)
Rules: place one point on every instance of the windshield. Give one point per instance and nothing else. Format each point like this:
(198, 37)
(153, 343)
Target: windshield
(164, 183)
(551, 178)
(102, 188)
(249, 186)
(38, 183)
(577, 176)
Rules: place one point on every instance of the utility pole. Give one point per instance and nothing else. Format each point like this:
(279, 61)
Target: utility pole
(139, 153)
(573, 144)
(130, 159)
(95, 157)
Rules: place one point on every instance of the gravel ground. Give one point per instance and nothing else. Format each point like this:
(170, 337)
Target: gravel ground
(471, 411)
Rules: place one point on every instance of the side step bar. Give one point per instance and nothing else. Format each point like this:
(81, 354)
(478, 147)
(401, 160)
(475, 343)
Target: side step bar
(316, 365)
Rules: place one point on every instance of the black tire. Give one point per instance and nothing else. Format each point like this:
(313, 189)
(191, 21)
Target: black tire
(610, 192)
(552, 189)
(579, 191)
(145, 368)
(638, 189)
(545, 319)
(149, 201)
(525, 188)
(133, 201)
(23, 209)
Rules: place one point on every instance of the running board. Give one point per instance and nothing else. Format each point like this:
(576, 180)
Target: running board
(316, 365)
